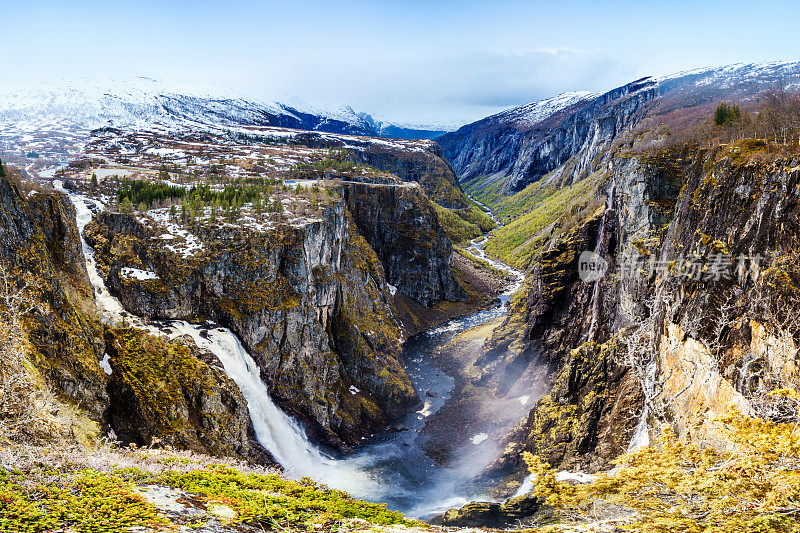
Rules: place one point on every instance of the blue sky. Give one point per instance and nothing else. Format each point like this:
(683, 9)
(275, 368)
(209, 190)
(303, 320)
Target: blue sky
(409, 61)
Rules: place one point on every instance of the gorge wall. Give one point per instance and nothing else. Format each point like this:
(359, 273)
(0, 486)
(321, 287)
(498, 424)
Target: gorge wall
(518, 150)
(695, 316)
(311, 302)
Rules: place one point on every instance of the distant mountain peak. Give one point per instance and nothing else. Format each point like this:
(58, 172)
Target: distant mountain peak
(141, 102)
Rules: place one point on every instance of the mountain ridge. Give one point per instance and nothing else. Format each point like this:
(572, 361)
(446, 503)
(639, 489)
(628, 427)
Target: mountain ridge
(90, 103)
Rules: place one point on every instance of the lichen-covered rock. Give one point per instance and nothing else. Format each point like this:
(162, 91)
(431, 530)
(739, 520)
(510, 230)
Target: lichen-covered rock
(309, 302)
(39, 246)
(402, 227)
(490, 514)
(162, 390)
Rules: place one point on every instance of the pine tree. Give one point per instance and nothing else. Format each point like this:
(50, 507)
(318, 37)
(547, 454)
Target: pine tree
(2, 169)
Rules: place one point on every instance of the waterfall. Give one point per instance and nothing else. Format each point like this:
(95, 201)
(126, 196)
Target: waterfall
(600, 250)
(110, 308)
(275, 430)
(281, 435)
(641, 435)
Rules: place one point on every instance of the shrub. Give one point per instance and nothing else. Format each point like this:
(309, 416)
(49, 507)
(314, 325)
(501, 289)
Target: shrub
(676, 486)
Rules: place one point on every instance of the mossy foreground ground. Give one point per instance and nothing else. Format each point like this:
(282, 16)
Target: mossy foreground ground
(106, 490)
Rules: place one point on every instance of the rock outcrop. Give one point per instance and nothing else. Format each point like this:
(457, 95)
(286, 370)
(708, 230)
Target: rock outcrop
(309, 302)
(490, 514)
(420, 161)
(193, 406)
(403, 229)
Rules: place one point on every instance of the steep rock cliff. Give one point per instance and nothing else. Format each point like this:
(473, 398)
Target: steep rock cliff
(402, 227)
(420, 161)
(39, 246)
(517, 151)
(672, 332)
(308, 301)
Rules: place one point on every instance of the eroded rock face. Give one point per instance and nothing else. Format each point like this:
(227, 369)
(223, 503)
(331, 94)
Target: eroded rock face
(427, 166)
(308, 302)
(714, 339)
(403, 229)
(521, 152)
(39, 246)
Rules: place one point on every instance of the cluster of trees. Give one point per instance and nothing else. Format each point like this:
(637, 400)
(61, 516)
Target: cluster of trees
(138, 192)
(338, 161)
(727, 114)
(263, 195)
(776, 119)
(2, 169)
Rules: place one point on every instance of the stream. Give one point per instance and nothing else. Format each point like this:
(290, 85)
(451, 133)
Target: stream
(389, 467)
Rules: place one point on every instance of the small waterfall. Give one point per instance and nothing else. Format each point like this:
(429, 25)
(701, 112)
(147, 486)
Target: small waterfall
(641, 435)
(600, 249)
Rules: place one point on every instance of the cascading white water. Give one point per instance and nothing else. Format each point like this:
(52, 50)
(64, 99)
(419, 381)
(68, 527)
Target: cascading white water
(641, 435)
(275, 430)
(111, 309)
(599, 250)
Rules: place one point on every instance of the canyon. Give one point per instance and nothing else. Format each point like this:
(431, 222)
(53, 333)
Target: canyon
(410, 320)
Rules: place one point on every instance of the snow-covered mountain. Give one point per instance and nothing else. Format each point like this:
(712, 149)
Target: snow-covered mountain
(522, 144)
(142, 103)
(535, 112)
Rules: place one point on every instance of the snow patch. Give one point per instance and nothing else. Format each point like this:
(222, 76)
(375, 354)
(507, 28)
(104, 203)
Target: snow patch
(105, 364)
(136, 273)
(426, 411)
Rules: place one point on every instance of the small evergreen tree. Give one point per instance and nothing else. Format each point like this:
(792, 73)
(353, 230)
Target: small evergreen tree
(94, 180)
(726, 114)
(2, 169)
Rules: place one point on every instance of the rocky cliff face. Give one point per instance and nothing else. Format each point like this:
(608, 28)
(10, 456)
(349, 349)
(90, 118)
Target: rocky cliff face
(40, 246)
(425, 165)
(403, 229)
(688, 325)
(420, 161)
(309, 302)
(518, 151)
